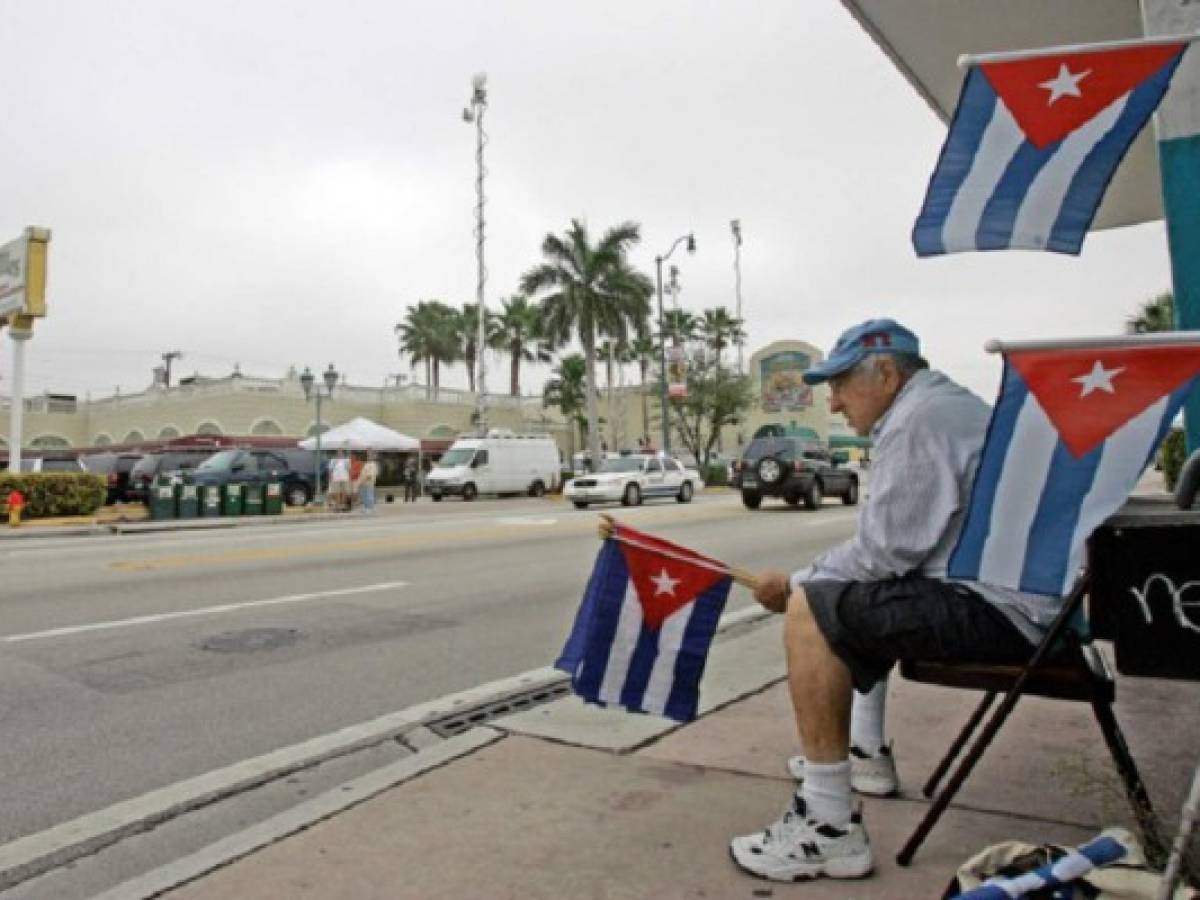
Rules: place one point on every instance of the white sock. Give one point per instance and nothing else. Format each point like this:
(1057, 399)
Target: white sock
(866, 718)
(826, 792)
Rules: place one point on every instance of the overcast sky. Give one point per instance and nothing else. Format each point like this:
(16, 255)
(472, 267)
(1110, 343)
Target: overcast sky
(272, 183)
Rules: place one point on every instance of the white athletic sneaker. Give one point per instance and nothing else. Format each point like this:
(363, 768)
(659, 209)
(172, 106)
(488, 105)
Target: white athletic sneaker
(797, 848)
(872, 775)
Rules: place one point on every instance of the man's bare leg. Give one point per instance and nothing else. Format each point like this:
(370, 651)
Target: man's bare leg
(819, 683)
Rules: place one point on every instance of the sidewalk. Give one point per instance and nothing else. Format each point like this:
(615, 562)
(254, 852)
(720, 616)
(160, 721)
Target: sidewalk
(571, 801)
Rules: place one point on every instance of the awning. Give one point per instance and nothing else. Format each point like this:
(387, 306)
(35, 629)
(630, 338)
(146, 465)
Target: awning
(845, 441)
(924, 38)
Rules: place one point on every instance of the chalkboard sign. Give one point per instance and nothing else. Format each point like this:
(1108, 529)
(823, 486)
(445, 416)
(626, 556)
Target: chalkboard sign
(1145, 596)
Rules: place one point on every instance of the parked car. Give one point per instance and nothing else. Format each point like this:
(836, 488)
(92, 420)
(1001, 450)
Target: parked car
(499, 463)
(51, 464)
(794, 469)
(163, 462)
(115, 468)
(295, 469)
(632, 478)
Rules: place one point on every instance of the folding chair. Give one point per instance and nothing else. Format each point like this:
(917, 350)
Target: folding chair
(1064, 667)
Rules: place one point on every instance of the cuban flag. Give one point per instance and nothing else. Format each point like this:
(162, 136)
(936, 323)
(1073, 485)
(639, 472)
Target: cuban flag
(1034, 143)
(1051, 878)
(1072, 431)
(643, 630)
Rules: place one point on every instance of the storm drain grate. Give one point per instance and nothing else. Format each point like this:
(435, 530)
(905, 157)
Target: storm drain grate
(457, 723)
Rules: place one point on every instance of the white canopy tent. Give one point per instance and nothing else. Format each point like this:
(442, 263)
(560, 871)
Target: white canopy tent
(362, 434)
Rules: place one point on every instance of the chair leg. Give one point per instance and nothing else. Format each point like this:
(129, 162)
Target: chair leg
(959, 742)
(1135, 789)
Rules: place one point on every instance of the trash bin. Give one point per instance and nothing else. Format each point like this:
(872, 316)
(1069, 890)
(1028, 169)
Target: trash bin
(252, 500)
(273, 499)
(188, 501)
(210, 500)
(231, 500)
(163, 501)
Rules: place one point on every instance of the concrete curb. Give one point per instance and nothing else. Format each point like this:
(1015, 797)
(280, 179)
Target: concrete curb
(228, 850)
(35, 854)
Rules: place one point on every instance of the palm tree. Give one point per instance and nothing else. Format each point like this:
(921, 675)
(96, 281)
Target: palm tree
(429, 334)
(467, 326)
(720, 330)
(679, 326)
(519, 334)
(566, 389)
(585, 293)
(1157, 314)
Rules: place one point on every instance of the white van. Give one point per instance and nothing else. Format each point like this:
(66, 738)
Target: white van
(500, 462)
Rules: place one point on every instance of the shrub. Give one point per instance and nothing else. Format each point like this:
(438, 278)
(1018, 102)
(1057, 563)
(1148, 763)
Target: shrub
(716, 474)
(55, 493)
(1172, 454)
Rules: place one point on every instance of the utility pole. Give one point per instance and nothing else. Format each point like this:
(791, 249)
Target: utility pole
(474, 113)
(166, 358)
(736, 227)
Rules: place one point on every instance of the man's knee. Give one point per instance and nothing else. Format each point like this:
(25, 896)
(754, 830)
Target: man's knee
(799, 625)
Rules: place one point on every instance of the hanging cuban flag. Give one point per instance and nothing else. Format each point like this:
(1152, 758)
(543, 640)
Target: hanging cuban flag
(643, 630)
(1074, 427)
(1035, 141)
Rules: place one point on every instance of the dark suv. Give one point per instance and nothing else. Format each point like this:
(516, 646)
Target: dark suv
(293, 468)
(795, 469)
(162, 462)
(115, 469)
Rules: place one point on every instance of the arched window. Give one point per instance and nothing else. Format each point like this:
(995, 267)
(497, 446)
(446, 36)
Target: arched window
(209, 428)
(167, 432)
(49, 442)
(103, 439)
(134, 437)
(312, 429)
(442, 431)
(266, 426)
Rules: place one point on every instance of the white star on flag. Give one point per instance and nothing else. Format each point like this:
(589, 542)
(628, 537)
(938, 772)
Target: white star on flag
(1099, 379)
(664, 583)
(1064, 84)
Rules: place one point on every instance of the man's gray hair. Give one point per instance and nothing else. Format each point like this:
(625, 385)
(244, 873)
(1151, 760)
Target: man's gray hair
(907, 364)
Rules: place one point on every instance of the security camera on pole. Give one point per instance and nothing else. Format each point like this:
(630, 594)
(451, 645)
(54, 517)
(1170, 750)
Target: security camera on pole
(22, 299)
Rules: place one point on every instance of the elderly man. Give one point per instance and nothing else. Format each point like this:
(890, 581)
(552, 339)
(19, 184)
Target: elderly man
(881, 596)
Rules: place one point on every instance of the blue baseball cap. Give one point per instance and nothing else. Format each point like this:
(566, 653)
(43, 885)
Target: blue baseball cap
(872, 336)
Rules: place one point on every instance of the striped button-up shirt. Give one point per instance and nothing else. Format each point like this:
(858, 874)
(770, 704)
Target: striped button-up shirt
(926, 451)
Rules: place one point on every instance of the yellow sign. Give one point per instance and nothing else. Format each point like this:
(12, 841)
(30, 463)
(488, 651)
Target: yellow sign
(23, 274)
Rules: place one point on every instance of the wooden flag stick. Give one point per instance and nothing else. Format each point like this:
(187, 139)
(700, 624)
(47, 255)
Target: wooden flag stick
(607, 528)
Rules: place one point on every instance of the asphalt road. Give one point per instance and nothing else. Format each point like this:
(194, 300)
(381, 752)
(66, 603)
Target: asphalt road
(131, 662)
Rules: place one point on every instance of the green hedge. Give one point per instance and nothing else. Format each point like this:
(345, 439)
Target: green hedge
(55, 493)
(1173, 454)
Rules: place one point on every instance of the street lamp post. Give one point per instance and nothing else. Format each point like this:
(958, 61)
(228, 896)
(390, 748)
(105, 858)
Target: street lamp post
(474, 113)
(735, 225)
(330, 377)
(662, 338)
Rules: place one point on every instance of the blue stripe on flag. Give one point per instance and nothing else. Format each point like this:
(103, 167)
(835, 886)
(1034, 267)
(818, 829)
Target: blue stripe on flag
(975, 107)
(1000, 213)
(609, 584)
(641, 664)
(572, 652)
(1048, 551)
(689, 665)
(1174, 404)
(1092, 178)
(968, 553)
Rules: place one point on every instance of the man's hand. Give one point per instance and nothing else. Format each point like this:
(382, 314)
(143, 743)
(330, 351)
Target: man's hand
(773, 591)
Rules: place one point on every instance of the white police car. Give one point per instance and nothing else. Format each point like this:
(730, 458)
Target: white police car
(631, 479)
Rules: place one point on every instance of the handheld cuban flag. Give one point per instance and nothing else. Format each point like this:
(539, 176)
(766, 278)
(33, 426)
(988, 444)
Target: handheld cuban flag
(643, 630)
(1073, 429)
(1035, 141)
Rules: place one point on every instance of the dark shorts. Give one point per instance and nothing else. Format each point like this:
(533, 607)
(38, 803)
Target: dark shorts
(870, 625)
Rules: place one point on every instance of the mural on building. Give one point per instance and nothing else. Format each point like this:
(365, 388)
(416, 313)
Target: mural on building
(781, 377)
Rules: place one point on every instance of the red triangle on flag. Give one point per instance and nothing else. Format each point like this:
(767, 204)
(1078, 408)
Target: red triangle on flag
(1089, 393)
(665, 584)
(1050, 96)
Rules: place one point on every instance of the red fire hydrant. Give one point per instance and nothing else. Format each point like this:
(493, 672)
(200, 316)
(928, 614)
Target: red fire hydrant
(16, 503)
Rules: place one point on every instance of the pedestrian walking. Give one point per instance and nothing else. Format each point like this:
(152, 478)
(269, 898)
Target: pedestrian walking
(339, 483)
(412, 481)
(365, 484)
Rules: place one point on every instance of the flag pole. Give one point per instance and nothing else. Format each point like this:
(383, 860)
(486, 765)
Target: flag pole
(973, 59)
(1123, 341)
